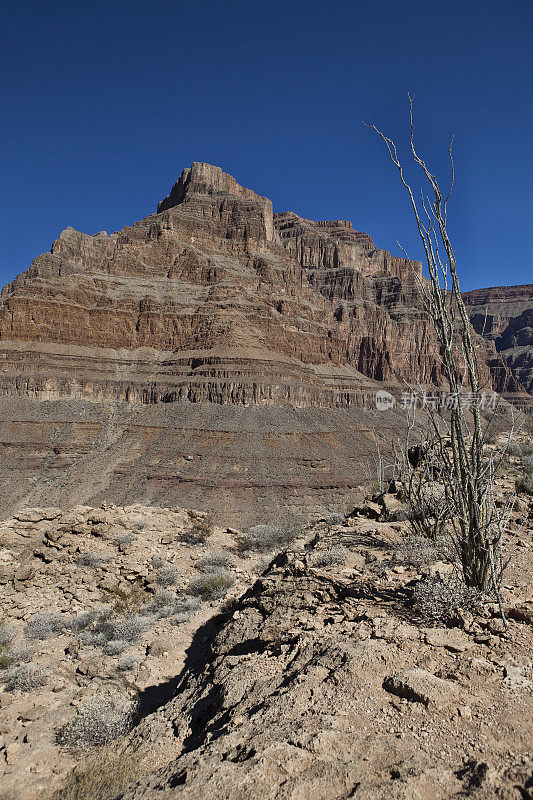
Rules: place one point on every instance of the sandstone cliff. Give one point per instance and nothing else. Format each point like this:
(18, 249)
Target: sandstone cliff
(213, 354)
(504, 315)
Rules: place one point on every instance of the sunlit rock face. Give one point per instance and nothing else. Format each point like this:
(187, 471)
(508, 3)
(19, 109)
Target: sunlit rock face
(124, 348)
(504, 316)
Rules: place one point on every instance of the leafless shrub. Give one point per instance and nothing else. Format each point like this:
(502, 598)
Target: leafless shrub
(157, 562)
(524, 484)
(440, 600)
(420, 551)
(128, 629)
(334, 556)
(90, 559)
(79, 622)
(130, 662)
(125, 538)
(100, 720)
(213, 562)
(164, 604)
(104, 776)
(261, 538)
(211, 585)
(7, 634)
(520, 449)
(116, 646)
(201, 527)
(527, 462)
(167, 575)
(44, 625)
(127, 601)
(455, 441)
(24, 679)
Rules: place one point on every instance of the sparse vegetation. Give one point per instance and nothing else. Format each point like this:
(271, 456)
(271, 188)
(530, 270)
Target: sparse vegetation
(90, 559)
(125, 538)
(125, 629)
(334, 556)
(129, 662)
(201, 527)
(126, 601)
(213, 562)
(44, 625)
(168, 575)
(7, 634)
(440, 600)
(100, 720)
(103, 776)
(454, 451)
(261, 538)
(524, 484)
(420, 551)
(211, 585)
(25, 678)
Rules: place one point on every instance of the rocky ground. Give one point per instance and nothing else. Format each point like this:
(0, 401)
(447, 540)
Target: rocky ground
(314, 673)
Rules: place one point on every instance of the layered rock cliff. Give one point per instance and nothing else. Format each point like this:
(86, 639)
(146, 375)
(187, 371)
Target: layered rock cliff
(213, 299)
(137, 338)
(504, 315)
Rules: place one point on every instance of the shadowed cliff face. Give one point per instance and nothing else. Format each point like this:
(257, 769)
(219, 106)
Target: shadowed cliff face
(211, 302)
(504, 315)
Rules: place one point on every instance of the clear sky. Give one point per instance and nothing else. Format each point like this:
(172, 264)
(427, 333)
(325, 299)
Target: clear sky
(104, 103)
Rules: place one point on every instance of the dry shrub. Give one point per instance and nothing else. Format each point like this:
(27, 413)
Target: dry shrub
(334, 556)
(440, 600)
(211, 585)
(201, 527)
(104, 776)
(261, 538)
(100, 720)
(25, 678)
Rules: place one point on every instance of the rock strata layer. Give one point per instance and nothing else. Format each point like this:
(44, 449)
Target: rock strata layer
(504, 315)
(119, 351)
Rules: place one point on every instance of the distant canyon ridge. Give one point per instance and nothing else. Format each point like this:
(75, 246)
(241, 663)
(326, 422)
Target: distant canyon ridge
(219, 356)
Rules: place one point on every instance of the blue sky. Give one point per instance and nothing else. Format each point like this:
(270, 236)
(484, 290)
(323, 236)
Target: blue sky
(104, 103)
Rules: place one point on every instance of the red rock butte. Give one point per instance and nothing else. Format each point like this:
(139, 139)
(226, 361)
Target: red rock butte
(213, 355)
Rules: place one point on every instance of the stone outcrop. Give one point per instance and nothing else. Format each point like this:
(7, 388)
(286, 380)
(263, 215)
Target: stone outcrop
(250, 343)
(504, 316)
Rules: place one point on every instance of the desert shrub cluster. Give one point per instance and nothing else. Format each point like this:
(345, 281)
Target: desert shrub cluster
(261, 538)
(24, 678)
(333, 556)
(441, 599)
(98, 721)
(211, 585)
(102, 776)
(44, 625)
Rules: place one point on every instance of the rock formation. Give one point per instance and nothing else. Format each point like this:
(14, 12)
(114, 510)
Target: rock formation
(213, 355)
(504, 315)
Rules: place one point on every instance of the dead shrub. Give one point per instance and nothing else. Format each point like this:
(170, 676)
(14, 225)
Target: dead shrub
(104, 776)
(100, 720)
